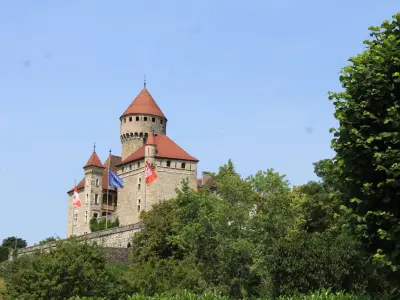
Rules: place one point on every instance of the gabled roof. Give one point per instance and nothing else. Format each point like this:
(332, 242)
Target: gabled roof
(166, 148)
(94, 161)
(113, 162)
(144, 104)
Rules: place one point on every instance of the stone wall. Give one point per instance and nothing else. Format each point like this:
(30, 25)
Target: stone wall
(113, 238)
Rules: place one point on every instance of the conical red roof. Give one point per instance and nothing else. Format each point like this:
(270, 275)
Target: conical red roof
(94, 161)
(144, 104)
(151, 140)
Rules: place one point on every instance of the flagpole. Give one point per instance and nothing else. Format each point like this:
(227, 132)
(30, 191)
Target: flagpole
(108, 181)
(73, 212)
(145, 186)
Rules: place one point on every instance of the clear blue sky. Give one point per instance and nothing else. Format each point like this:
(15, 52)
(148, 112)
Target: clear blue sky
(246, 80)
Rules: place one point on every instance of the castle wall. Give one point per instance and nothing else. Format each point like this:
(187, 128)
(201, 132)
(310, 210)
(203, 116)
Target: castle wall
(163, 188)
(117, 237)
(81, 225)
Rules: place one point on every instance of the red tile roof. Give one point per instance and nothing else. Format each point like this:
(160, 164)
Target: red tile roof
(114, 161)
(166, 148)
(144, 104)
(151, 140)
(94, 160)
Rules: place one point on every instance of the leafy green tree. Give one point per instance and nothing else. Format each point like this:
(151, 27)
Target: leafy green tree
(319, 206)
(70, 269)
(366, 168)
(4, 252)
(49, 240)
(14, 242)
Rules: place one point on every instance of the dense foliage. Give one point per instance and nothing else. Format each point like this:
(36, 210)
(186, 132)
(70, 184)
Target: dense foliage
(4, 251)
(14, 242)
(97, 224)
(321, 295)
(366, 167)
(49, 240)
(71, 269)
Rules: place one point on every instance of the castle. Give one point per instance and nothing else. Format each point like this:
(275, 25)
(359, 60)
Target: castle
(143, 134)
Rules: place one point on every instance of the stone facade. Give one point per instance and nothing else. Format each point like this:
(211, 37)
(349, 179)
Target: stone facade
(134, 129)
(141, 122)
(136, 196)
(118, 237)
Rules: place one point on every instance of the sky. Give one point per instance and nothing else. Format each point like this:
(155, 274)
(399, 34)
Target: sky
(240, 80)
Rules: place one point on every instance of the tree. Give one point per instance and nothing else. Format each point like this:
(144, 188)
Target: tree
(4, 251)
(367, 143)
(70, 269)
(14, 242)
(48, 240)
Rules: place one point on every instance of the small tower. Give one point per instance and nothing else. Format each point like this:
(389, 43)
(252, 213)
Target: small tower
(93, 171)
(150, 149)
(141, 118)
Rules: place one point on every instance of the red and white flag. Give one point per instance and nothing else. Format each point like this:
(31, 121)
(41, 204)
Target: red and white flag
(77, 202)
(150, 175)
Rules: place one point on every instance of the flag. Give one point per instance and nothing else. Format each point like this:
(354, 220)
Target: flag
(150, 174)
(77, 202)
(114, 180)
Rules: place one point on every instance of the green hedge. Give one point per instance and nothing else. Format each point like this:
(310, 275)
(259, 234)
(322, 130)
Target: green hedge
(96, 225)
(321, 295)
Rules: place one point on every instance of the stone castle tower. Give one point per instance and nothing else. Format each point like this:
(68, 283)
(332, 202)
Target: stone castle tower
(143, 134)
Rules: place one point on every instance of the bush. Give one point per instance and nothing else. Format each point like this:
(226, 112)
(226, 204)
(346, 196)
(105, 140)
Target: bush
(4, 252)
(96, 225)
(70, 269)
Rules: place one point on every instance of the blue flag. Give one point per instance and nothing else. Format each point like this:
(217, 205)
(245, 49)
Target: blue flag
(114, 180)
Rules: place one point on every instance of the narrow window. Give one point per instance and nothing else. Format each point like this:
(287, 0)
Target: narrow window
(104, 199)
(124, 120)
(96, 199)
(116, 200)
(130, 167)
(137, 118)
(130, 119)
(95, 215)
(87, 198)
(138, 205)
(138, 164)
(168, 163)
(161, 121)
(97, 182)
(183, 165)
(123, 169)
(153, 119)
(86, 216)
(145, 119)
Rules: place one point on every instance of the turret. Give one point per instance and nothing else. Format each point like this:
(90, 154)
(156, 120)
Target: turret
(140, 119)
(93, 171)
(150, 150)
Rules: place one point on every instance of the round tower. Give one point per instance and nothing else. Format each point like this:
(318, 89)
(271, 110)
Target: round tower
(140, 119)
